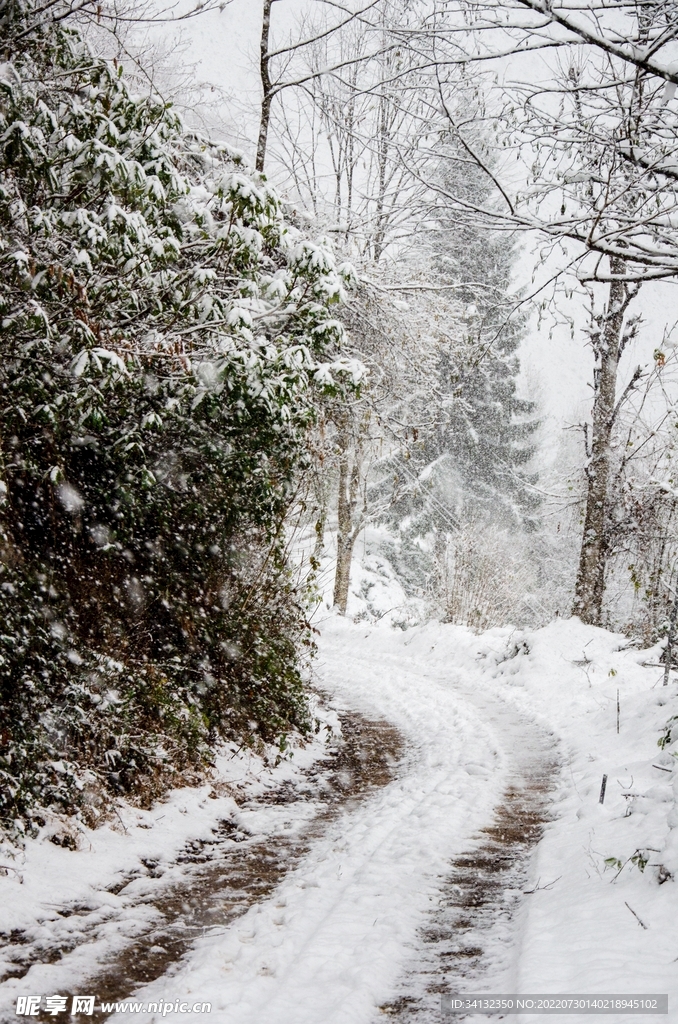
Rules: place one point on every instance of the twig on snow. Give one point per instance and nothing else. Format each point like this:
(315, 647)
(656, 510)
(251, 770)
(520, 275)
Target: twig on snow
(8, 867)
(120, 820)
(538, 887)
(641, 923)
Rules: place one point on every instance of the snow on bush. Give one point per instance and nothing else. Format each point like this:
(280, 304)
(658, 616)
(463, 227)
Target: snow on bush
(165, 338)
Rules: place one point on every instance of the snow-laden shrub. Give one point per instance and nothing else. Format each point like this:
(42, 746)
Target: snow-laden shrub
(485, 578)
(164, 336)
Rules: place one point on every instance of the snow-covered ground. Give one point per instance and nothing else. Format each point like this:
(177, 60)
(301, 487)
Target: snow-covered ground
(335, 939)
(330, 945)
(578, 930)
(97, 898)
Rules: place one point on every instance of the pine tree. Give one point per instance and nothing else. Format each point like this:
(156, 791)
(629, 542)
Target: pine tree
(471, 436)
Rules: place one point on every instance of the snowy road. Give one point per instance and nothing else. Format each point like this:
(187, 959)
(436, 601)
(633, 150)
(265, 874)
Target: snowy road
(324, 902)
(332, 941)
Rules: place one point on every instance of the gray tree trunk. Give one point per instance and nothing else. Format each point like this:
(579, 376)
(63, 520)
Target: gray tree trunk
(349, 520)
(266, 89)
(608, 344)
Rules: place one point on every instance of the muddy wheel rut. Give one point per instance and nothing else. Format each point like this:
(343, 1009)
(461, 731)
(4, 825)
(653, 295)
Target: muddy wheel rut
(231, 873)
(470, 936)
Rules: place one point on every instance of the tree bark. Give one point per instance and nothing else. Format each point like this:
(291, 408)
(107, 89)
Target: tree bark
(669, 640)
(608, 346)
(266, 89)
(348, 525)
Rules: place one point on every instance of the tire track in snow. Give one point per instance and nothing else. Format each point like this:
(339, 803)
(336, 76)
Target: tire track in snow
(230, 875)
(329, 945)
(471, 939)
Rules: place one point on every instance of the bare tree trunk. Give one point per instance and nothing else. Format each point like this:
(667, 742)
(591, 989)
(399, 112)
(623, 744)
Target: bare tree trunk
(440, 581)
(669, 640)
(319, 546)
(348, 523)
(383, 144)
(608, 346)
(266, 89)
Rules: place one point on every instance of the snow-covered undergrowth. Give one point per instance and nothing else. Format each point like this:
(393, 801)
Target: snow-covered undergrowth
(376, 593)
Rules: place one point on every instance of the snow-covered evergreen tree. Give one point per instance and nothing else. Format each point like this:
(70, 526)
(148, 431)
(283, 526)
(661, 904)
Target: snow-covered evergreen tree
(471, 436)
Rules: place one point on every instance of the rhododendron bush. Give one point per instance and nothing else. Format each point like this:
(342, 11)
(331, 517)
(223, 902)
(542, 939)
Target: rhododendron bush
(165, 339)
